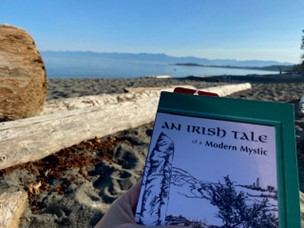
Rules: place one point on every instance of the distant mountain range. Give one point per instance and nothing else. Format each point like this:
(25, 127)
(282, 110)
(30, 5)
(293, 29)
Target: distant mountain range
(49, 56)
(95, 64)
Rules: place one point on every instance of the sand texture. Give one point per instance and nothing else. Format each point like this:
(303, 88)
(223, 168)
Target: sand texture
(75, 186)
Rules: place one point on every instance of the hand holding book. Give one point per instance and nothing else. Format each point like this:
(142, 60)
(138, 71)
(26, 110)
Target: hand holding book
(121, 213)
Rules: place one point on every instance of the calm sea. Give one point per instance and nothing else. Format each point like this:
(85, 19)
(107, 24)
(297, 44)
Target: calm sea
(109, 68)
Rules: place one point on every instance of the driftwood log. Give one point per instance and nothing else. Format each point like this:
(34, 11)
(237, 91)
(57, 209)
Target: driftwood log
(12, 206)
(37, 137)
(22, 75)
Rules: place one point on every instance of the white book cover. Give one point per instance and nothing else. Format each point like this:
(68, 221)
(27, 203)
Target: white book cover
(209, 173)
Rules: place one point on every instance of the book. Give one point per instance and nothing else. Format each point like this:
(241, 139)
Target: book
(220, 162)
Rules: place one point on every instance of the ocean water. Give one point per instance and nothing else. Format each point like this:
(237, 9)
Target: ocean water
(109, 68)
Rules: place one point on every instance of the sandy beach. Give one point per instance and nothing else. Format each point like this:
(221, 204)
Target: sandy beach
(79, 183)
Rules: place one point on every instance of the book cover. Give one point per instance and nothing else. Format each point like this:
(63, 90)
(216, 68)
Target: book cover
(210, 165)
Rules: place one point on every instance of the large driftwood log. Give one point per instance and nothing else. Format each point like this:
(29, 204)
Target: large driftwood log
(22, 75)
(37, 137)
(12, 206)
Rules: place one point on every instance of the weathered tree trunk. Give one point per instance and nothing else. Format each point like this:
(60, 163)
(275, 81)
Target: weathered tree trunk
(37, 137)
(22, 75)
(12, 206)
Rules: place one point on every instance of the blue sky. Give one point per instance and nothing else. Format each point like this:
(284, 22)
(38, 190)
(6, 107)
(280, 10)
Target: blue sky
(215, 29)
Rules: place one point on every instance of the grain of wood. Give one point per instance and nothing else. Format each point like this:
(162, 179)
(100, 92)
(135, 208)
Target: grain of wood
(22, 75)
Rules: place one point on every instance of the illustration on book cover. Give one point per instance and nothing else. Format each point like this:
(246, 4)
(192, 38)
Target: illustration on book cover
(209, 173)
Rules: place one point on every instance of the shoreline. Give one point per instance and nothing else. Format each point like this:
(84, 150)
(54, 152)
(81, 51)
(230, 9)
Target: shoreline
(60, 88)
(79, 183)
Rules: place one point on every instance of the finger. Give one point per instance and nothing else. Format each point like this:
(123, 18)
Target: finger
(122, 209)
(131, 196)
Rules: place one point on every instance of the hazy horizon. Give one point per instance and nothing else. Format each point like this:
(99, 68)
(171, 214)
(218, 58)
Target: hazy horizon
(150, 53)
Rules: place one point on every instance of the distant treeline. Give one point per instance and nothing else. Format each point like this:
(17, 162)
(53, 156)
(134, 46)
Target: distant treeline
(280, 68)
